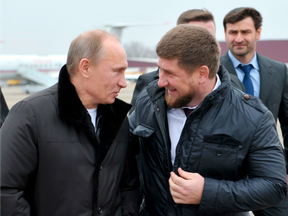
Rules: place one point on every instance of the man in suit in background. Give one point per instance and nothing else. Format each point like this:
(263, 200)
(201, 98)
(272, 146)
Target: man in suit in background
(3, 107)
(200, 17)
(261, 76)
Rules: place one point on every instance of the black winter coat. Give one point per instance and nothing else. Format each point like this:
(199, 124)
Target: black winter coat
(230, 139)
(53, 162)
(3, 108)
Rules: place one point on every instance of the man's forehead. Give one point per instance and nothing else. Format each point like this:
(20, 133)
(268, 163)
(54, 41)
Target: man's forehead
(167, 64)
(166, 60)
(113, 47)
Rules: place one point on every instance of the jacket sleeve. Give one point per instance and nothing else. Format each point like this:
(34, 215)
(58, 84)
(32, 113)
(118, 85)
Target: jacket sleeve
(266, 185)
(283, 115)
(3, 108)
(18, 159)
(130, 184)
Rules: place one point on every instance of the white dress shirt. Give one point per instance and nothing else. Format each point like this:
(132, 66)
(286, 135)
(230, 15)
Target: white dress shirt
(93, 115)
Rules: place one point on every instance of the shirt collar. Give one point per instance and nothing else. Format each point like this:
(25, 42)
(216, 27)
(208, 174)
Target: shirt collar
(218, 82)
(236, 62)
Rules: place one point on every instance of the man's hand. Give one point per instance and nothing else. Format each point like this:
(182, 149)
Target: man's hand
(188, 189)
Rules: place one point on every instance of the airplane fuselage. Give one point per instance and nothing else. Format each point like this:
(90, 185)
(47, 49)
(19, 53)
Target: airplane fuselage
(11, 64)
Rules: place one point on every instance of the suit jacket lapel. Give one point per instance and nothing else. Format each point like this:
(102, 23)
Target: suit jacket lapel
(226, 61)
(266, 78)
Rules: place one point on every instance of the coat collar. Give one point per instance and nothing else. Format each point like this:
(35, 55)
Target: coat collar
(72, 111)
(220, 93)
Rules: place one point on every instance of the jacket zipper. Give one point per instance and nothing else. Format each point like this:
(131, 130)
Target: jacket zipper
(164, 131)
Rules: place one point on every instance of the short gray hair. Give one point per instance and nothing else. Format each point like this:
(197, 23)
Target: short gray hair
(87, 45)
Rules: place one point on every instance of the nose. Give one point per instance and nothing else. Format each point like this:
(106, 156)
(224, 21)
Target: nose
(239, 38)
(162, 82)
(122, 82)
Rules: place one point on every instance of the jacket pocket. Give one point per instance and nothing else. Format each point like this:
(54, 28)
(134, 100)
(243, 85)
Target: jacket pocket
(218, 157)
(221, 139)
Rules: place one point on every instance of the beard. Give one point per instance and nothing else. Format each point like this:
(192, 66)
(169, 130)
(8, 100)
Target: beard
(181, 101)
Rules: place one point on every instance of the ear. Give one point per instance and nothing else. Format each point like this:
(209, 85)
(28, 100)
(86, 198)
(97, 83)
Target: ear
(84, 65)
(258, 33)
(225, 35)
(203, 73)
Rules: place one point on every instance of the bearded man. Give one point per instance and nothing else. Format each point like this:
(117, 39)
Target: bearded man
(206, 148)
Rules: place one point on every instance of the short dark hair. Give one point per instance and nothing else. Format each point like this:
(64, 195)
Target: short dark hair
(195, 15)
(193, 46)
(241, 13)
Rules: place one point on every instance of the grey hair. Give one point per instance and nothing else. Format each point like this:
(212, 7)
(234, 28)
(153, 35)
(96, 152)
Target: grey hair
(87, 45)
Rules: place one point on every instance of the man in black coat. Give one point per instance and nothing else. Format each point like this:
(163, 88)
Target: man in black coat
(4, 108)
(64, 150)
(206, 148)
(200, 17)
(269, 78)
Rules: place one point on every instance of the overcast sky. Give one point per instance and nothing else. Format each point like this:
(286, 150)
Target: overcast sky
(47, 27)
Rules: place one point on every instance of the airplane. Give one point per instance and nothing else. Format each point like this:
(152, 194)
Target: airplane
(36, 72)
(12, 64)
(33, 71)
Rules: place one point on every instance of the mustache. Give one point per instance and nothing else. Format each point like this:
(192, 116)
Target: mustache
(242, 43)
